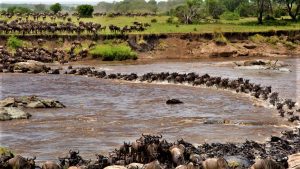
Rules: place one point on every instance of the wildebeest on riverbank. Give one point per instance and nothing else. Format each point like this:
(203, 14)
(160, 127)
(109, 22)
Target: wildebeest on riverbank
(277, 153)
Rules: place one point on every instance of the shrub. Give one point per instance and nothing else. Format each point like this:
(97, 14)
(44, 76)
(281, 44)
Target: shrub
(230, 16)
(170, 20)
(279, 11)
(290, 45)
(219, 38)
(5, 151)
(257, 38)
(85, 10)
(13, 42)
(113, 52)
(18, 9)
(56, 7)
(154, 20)
(269, 18)
(273, 40)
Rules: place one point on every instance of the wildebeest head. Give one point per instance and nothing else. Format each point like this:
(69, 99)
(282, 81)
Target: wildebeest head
(73, 154)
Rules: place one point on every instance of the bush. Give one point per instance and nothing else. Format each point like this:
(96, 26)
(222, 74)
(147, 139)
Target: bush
(279, 12)
(257, 38)
(113, 52)
(154, 20)
(14, 43)
(5, 151)
(21, 10)
(55, 7)
(170, 20)
(219, 38)
(273, 40)
(85, 11)
(290, 45)
(269, 18)
(230, 16)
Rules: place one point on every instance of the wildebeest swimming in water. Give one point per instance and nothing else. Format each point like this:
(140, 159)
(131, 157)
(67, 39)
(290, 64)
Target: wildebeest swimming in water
(174, 101)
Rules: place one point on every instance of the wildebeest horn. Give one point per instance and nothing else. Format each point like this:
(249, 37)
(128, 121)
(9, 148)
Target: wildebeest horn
(77, 152)
(160, 136)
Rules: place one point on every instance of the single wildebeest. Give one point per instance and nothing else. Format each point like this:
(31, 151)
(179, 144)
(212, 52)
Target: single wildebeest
(215, 163)
(188, 166)
(19, 162)
(177, 152)
(135, 166)
(266, 164)
(153, 165)
(294, 161)
(115, 167)
(50, 165)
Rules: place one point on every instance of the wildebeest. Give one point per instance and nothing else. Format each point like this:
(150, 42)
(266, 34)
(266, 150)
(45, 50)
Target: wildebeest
(177, 152)
(19, 162)
(215, 163)
(153, 165)
(51, 165)
(294, 161)
(266, 164)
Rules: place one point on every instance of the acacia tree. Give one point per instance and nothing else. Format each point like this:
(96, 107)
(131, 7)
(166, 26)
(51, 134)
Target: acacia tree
(85, 11)
(56, 7)
(189, 12)
(293, 7)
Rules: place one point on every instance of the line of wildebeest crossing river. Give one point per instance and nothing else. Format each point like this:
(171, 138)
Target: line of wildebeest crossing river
(153, 152)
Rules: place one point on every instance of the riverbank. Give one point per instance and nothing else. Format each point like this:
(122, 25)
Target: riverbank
(218, 45)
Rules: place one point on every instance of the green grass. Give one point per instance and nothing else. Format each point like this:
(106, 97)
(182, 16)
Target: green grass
(110, 52)
(13, 42)
(161, 26)
(273, 40)
(5, 151)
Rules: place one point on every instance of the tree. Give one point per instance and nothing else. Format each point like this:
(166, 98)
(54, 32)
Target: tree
(215, 8)
(232, 5)
(293, 7)
(19, 9)
(85, 10)
(39, 8)
(11, 9)
(246, 9)
(262, 7)
(189, 12)
(153, 6)
(56, 7)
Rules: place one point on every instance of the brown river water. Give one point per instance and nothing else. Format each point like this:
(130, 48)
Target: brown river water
(101, 114)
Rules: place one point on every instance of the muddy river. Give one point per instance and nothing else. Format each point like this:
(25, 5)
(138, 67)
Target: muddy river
(101, 114)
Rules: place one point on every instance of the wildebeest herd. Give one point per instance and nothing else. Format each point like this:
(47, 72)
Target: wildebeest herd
(23, 25)
(153, 152)
(64, 16)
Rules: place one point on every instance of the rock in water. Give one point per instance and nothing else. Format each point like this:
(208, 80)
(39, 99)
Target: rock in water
(9, 113)
(36, 104)
(31, 65)
(31, 102)
(174, 101)
(50, 103)
(8, 102)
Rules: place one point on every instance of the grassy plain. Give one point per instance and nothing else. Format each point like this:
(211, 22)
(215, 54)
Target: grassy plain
(161, 26)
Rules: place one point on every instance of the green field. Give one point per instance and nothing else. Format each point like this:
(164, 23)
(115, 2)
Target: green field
(242, 25)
